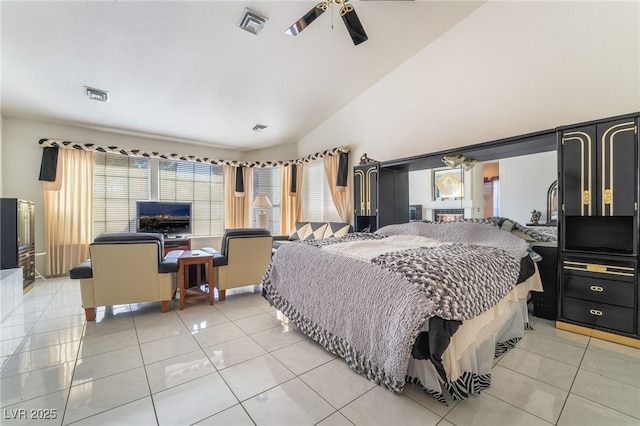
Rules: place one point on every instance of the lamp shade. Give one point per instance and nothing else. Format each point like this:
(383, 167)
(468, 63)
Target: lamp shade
(262, 202)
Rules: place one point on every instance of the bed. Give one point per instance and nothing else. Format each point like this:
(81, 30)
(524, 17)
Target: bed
(424, 303)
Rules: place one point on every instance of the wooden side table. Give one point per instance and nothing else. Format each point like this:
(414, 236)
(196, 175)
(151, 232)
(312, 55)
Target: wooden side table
(194, 257)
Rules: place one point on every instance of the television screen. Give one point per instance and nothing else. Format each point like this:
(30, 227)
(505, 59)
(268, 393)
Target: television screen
(163, 217)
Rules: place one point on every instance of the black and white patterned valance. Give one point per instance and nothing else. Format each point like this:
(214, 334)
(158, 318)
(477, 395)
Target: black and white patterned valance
(192, 158)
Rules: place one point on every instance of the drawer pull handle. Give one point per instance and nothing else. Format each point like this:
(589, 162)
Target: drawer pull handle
(596, 288)
(596, 268)
(595, 312)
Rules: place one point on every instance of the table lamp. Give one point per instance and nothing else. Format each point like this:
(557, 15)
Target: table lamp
(262, 202)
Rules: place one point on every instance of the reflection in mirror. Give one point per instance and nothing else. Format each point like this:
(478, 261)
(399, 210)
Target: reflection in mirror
(552, 203)
(509, 187)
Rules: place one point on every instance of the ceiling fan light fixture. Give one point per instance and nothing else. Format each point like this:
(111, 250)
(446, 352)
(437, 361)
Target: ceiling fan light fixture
(352, 22)
(468, 164)
(252, 22)
(347, 12)
(459, 161)
(96, 94)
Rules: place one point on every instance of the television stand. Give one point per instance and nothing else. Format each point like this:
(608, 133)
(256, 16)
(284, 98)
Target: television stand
(175, 243)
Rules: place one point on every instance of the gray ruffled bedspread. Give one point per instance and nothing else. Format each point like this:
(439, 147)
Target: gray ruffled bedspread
(370, 312)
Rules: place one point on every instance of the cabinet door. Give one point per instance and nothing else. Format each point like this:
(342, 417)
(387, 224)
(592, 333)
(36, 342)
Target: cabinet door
(26, 224)
(617, 167)
(365, 190)
(358, 191)
(577, 150)
(600, 169)
(372, 191)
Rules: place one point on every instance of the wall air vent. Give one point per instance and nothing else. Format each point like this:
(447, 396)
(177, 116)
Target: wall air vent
(96, 94)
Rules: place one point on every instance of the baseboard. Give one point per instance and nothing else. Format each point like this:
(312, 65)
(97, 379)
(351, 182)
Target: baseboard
(603, 335)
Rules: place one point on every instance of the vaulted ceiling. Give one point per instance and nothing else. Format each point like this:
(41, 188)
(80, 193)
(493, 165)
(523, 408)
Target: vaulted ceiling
(185, 70)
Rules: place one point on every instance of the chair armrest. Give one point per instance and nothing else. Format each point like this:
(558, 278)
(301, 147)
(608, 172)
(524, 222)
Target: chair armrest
(279, 243)
(173, 253)
(280, 237)
(82, 271)
(170, 262)
(218, 258)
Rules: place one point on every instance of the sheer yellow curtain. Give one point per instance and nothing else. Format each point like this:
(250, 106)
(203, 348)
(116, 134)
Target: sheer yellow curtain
(289, 202)
(237, 210)
(68, 212)
(341, 195)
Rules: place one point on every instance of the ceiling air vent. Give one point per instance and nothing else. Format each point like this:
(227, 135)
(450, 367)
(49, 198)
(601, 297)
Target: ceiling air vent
(259, 128)
(252, 22)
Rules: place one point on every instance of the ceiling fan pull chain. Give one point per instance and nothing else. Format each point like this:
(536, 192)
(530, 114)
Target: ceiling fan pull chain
(332, 15)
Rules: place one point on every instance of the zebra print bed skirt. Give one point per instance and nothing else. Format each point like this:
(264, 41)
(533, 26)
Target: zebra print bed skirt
(468, 383)
(475, 361)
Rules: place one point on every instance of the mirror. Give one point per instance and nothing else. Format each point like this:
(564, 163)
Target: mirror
(508, 187)
(552, 203)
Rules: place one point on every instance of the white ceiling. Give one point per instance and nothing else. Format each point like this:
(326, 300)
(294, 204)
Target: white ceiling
(185, 71)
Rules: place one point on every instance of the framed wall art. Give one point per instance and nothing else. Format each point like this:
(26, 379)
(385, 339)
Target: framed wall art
(447, 183)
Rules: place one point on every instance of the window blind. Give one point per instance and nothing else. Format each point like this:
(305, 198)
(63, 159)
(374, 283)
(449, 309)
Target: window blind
(317, 203)
(118, 182)
(491, 197)
(267, 181)
(202, 185)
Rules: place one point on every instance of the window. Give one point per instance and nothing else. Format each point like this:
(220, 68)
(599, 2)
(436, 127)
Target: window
(119, 181)
(202, 184)
(317, 203)
(492, 197)
(267, 181)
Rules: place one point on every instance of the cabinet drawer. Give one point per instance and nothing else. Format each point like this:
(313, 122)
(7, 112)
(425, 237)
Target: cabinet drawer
(595, 289)
(606, 269)
(598, 314)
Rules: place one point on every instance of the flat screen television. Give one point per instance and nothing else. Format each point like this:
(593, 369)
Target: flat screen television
(163, 217)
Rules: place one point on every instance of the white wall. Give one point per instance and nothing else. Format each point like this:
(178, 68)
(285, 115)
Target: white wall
(420, 187)
(276, 153)
(21, 156)
(509, 68)
(524, 182)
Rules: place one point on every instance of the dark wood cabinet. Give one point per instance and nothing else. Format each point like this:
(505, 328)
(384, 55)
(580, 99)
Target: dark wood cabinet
(599, 225)
(600, 291)
(18, 237)
(381, 196)
(365, 180)
(365, 192)
(545, 304)
(393, 196)
(599, 165)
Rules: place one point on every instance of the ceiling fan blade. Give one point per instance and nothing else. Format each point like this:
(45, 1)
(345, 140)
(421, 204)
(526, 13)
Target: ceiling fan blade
(308, 18)
(351, 21)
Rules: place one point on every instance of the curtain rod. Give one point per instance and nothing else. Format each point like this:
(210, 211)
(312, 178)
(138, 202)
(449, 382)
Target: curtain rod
(53, 143)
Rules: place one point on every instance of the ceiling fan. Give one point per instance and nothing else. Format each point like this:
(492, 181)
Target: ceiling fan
(347, 12)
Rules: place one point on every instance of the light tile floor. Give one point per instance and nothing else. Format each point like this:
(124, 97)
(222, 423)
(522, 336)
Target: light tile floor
(238, 363)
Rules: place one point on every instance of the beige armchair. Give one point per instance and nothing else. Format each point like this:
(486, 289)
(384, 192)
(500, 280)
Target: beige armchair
(242, 260)
(126, 268)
